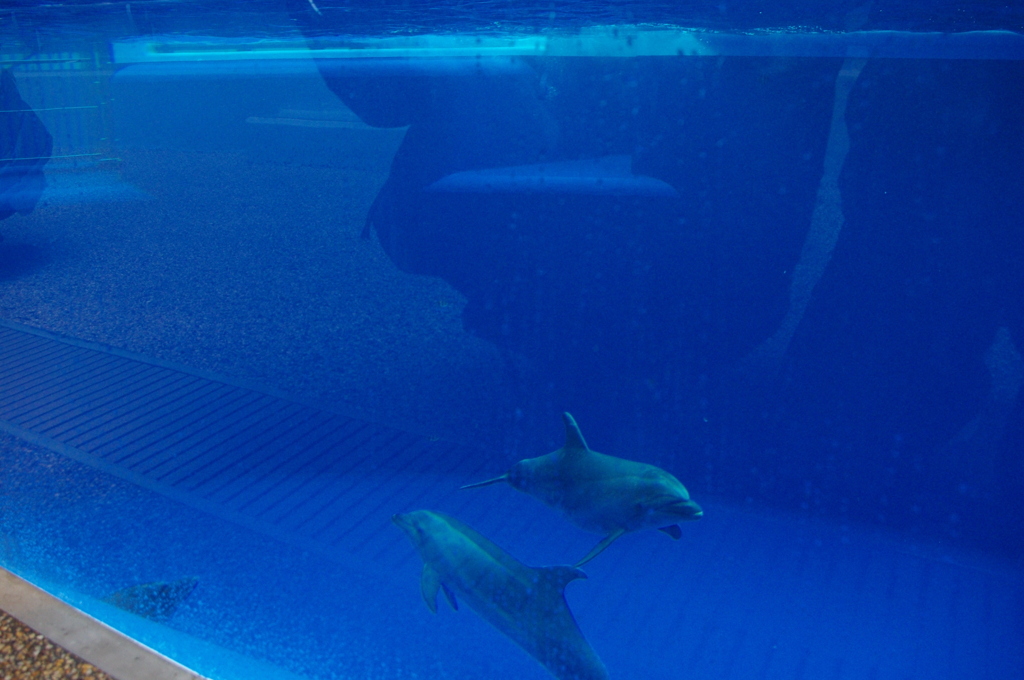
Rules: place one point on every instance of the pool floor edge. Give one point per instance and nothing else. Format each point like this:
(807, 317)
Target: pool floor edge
(113, 652)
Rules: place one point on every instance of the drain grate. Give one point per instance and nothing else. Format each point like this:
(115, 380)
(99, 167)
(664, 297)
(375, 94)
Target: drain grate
(288, 469)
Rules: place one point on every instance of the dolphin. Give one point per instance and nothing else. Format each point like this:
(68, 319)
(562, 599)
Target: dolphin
(607, 176)
(599, 493)
(525, 603)
(156, 601)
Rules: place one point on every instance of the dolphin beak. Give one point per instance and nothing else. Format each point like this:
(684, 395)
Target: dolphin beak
(688, 510)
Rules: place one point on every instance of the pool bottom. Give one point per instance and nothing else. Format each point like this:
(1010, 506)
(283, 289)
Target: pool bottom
(82, 534)
(743, 594)
(42, 636)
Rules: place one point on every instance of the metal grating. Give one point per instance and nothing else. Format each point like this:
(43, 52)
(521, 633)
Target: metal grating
(68, 91)
(287, 469)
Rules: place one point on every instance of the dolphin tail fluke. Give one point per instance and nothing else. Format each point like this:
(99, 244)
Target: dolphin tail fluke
(672, 530)
(573, 437)
(599, 548)
(503, 478)
(430, 583)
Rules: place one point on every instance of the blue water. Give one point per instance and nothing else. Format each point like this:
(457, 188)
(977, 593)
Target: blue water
(775, 250)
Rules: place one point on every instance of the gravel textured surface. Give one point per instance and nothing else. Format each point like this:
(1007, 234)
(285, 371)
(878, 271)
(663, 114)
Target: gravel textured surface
(256, 270)
(27, 655)
(253, 270)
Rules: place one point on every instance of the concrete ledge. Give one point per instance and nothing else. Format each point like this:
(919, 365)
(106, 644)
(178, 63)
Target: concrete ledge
(112, 652)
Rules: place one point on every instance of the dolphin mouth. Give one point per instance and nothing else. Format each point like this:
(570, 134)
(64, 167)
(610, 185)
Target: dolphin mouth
(688, 510)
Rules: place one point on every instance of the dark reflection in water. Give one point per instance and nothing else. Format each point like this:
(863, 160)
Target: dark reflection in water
(21, 259)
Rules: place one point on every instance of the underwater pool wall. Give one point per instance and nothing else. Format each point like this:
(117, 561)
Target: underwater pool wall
(821, 231)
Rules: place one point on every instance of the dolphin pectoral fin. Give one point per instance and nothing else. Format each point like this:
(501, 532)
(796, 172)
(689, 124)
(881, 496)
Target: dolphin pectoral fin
(450, 596)
(599, 548)
(430, 582)
(496, 480)
(573, 437)
(672, 530)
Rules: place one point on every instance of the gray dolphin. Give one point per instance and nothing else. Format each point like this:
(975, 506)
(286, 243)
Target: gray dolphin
(603, 494)
(525, 603)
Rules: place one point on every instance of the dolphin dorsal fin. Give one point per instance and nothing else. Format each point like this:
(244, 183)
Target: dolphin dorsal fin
(573, 438)
(558, 577)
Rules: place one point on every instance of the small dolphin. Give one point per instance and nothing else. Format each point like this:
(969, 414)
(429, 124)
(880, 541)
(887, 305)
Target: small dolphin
(525, 603)
(157, 601)
(599, 493)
